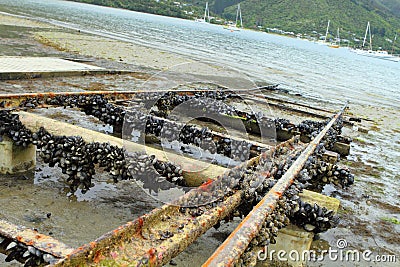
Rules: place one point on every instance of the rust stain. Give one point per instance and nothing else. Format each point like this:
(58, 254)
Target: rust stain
(93, 244)
(98, 257)
(116, 231)
(39, 236)
(220, 211)
(206, 185)
(152, 256)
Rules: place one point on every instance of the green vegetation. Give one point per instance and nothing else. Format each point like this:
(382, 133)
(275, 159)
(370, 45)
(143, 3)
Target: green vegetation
(392, 220)
(159, 7)
(306, 17)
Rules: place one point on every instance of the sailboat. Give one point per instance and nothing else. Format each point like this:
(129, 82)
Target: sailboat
(324, 42)
(336, 43)
(382, 54)
(206, 15)
(238, 20)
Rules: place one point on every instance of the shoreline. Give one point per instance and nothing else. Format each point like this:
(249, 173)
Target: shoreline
(383, 127)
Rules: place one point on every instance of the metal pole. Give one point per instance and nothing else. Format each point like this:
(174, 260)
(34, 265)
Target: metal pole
(234, 246)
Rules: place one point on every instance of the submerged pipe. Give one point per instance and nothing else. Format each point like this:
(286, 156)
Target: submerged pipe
(28, 237)
(234, 246)
(17, 98)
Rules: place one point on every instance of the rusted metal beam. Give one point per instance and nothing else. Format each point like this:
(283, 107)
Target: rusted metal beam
(293, 103)
(13, 100)
(282, 104)
(141, 242)
(34, 239)
(234, 246)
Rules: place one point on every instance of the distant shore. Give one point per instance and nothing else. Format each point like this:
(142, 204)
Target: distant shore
(374, 146)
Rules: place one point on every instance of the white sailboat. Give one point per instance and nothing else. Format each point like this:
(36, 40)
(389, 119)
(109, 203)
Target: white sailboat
(238, 20)
(382, 54)
(206, 15)
(324, 41)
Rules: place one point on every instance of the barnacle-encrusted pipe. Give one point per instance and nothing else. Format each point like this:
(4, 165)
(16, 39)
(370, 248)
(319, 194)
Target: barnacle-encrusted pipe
(234, 246)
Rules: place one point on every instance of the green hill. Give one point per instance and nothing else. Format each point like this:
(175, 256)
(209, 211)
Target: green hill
(306, 16)
(392, 6)
(299, 16)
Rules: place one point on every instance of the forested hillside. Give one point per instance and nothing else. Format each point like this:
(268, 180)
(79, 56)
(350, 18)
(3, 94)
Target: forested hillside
(300, 16)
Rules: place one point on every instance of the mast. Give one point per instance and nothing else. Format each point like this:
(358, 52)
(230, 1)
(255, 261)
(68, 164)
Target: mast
(239, 16)
(327, 29)
(370, 37)
(338, 36)
(368, 30)
(206, 13)
(394, 40)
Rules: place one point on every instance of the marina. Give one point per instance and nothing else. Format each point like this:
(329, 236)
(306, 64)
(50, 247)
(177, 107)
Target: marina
(138, 155)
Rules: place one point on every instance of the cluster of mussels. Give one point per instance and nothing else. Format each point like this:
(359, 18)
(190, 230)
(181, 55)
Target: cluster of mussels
(255, 181)
(318, 172)
(248, 179)
(169, 100)
(312, 218)
(289, 209)
(307, 128)
(275, 221)
(77, 159)
(26, 254)
(99, 107)
(95, 105)
(186, 134)
(11, 126)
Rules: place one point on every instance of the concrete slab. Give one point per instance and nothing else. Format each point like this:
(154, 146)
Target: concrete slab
(41, 64)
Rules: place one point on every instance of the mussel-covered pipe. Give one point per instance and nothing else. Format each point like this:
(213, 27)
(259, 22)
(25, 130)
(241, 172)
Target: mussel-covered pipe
(234, 246)
(24, 244)
(193, 178)
(13, 100)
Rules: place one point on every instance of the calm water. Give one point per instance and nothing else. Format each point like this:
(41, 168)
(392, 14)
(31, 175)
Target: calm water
(300, 66)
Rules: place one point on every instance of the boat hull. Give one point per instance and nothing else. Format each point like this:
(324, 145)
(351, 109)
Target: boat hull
(377, 54)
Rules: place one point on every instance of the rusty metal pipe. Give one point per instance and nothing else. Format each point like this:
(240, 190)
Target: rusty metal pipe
(109, 93)
(35, 239)
(234, 246)
(17, 98)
